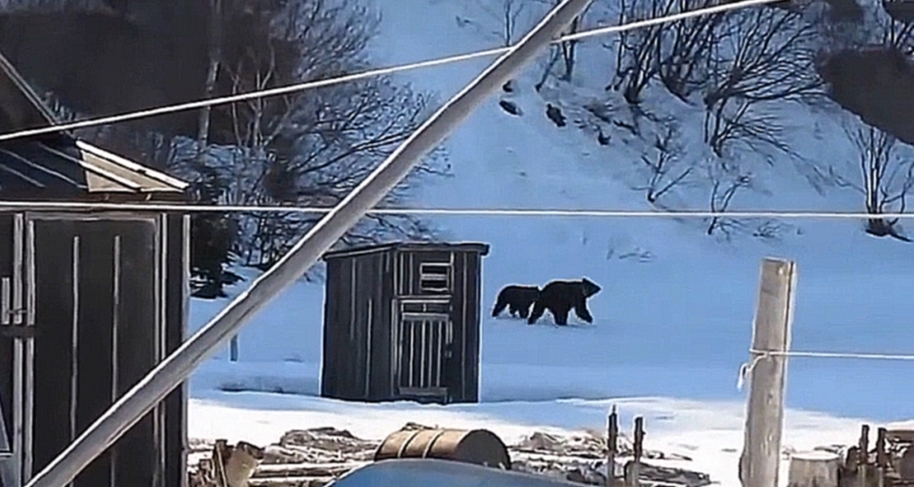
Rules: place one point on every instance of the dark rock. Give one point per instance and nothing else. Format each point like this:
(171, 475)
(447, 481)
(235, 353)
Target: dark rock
(555, 114)
(510, 107)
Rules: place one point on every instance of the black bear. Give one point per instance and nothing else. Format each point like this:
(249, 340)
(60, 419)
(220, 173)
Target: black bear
(559, 297)
(517, 299)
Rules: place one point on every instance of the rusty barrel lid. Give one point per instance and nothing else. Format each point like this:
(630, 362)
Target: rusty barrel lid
(478, 446)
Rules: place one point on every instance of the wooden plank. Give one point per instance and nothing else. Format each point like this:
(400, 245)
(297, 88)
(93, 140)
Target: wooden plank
(96, 332)
(6, 345)
(136, 453)
(54, 309)
(177, 260)
(765, 415)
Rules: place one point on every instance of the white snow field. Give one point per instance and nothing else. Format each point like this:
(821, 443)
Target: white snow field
(673, 321)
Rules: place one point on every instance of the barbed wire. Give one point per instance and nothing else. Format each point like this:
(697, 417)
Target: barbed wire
(168, 109)
(9, 206)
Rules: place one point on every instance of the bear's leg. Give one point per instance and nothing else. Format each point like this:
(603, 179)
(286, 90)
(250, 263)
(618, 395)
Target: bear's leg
(561, 316)
(580, 309)
(525, 311)
(538, 310)
(500, 305)
(513, 309)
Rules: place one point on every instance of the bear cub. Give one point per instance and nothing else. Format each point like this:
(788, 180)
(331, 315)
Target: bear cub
(517, 299)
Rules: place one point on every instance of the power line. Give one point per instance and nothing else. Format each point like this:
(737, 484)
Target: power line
(11, 206)
(164, 110)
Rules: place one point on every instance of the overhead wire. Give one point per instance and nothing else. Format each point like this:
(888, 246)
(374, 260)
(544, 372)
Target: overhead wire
(309, 85)
(10, 206)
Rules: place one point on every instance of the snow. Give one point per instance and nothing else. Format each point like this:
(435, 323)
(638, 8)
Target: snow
(672, 323)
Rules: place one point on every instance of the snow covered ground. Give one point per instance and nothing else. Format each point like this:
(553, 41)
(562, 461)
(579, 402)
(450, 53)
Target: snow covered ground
(673, 321)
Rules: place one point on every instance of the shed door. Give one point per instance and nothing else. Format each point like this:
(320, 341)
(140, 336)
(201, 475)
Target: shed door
(425, 345)
(93, 296)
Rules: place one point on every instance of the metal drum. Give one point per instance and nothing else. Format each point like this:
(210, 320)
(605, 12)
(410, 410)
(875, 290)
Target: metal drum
(480, 447)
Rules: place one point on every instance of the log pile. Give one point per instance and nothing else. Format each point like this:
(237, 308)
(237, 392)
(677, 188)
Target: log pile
(315, 457)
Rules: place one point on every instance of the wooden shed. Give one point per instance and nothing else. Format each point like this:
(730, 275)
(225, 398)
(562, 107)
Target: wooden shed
(402, 321)
(90, 301)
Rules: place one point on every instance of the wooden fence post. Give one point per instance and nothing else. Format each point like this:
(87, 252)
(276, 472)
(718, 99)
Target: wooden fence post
(863, 456)
(633, 467)
(612, 441)
(760, 459)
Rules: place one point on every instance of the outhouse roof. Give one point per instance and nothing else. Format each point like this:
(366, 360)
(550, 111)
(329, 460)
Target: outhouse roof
(481, 248)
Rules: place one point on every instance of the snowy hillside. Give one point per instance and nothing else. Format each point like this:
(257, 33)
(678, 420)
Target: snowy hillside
(674, 317)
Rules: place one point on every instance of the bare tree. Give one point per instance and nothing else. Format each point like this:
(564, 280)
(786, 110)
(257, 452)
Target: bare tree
(767, 58)
(725, 184)
(507, 12)
(897, 31)
(666, 167)
(566, 51)
(885, 176)
(510, 10)
(637, 56)
(310, 149)
(676, 53)
(685, 49)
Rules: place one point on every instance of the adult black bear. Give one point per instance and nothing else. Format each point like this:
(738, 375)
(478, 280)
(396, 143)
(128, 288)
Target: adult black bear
(559, 297)
(517, 299)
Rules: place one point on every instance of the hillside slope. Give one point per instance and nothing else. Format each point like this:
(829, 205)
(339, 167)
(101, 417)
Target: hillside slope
(675, 314)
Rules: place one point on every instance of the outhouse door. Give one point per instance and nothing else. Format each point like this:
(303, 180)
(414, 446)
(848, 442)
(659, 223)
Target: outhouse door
(425, 337)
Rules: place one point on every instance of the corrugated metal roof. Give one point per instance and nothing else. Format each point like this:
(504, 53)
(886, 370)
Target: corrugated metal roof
(61, 165)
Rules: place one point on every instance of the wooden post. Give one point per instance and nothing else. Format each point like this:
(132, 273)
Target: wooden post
(612, 441)
(863, 456)
(882, 459)
(637, 451)
(760, 459)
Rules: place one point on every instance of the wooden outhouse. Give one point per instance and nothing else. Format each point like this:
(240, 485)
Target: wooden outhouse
(402, 322)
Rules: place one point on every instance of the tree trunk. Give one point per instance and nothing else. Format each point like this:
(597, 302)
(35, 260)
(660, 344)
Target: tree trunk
(813, 469)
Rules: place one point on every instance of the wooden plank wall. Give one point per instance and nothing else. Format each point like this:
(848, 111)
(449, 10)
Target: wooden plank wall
(6, 344)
